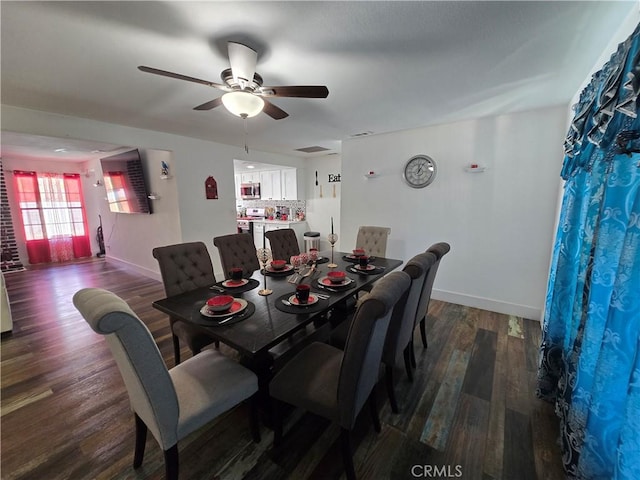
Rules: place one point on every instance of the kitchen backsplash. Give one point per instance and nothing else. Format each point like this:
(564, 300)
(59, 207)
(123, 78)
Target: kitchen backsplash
(294, 205)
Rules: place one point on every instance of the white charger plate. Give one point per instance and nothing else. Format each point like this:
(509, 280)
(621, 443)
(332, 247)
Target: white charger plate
(238, 305)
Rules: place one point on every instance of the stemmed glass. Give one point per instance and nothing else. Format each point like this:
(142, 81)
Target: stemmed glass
(264, 254)
(333, 238)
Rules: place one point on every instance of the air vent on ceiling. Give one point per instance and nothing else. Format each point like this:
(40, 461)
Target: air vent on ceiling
(314, 149)
(362, 134)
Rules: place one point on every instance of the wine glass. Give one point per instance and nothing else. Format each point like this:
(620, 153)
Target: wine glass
(333, 238)
(264, 255)
(296, 263)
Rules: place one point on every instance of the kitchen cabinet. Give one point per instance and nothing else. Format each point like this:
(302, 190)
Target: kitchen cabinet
(270, 185)
(289, 184)
(262, 226)
(279, 184)
(250, 177)
(237, 177)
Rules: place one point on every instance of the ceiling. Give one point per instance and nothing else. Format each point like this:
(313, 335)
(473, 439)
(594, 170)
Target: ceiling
(388, 66)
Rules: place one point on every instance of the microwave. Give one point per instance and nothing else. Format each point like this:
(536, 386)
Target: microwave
(250, 191)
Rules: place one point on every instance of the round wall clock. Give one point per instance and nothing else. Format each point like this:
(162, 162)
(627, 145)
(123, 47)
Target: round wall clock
(419, 171)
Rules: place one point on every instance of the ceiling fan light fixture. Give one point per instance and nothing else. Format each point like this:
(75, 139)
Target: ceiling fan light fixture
(243, 104)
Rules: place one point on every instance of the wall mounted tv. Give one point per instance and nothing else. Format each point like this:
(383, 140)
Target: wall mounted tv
(125, 183)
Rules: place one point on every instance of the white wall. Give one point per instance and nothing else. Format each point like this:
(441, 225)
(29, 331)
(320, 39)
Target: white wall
(498, 222)
(182, 213)
(321, 209)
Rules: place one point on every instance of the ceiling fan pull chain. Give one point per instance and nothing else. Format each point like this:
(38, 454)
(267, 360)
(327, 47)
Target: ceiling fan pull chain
(246, 135)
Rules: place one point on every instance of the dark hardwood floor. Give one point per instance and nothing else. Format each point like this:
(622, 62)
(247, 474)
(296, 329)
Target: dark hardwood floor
(470, 413)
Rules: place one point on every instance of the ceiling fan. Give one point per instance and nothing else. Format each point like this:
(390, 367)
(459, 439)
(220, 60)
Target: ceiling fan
(245, 95)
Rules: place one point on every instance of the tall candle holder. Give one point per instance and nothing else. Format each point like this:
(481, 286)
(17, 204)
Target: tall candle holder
(264, 254)
(333, 238)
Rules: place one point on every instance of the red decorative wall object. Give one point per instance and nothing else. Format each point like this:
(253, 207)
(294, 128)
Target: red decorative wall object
(211, 188)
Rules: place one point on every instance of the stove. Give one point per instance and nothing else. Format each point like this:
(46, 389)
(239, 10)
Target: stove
(244, 223)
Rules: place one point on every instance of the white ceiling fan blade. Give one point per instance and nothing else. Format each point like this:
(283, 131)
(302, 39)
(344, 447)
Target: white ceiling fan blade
(243, 63)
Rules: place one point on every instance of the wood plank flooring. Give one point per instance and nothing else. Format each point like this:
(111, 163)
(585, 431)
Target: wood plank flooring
(470, 412)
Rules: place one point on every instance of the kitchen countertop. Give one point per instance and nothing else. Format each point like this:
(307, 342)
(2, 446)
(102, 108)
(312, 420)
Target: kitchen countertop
(270, 221)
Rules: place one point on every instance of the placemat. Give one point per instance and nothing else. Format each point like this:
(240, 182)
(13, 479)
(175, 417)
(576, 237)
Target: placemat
(197, 317)
(320, 305)
(253, 283)
(355, 259)
(322, 260)
(375, 271)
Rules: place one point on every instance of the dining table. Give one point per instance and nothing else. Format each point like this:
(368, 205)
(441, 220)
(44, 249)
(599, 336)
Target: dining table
(263, 324)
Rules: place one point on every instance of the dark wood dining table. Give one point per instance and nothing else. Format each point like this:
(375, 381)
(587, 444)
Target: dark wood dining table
(269, 326)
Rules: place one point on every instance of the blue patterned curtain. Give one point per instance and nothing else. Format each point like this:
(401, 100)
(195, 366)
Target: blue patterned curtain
(590, 352)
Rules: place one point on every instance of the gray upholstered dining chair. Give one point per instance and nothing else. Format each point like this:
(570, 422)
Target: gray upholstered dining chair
(335, 384)
(237, 250)
(401, 327)
(185, 267)
(373, 240)
(284, 243)
(439, 249)
(171, 403)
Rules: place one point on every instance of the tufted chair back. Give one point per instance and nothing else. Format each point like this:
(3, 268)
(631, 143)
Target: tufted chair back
(284, 243)
(184, 267)
(373, 240)
(237, 250)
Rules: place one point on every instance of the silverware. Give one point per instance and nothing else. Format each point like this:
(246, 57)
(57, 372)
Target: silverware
(228, 319)
(324, 287)
(286, 302)
(217, 288)
(322, 296)
(311, 270)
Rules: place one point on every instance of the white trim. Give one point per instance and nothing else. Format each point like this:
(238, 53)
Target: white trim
(498, 306)
(136, 268)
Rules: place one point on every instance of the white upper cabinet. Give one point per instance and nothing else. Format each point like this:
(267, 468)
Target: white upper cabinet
(274, 184)
(237, 177)
(289, 182)
(270, 188)
(250, 177)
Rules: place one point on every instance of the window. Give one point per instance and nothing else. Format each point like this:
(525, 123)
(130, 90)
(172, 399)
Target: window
(52, 210)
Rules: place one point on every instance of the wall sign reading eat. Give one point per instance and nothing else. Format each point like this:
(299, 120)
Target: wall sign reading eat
(334, 177)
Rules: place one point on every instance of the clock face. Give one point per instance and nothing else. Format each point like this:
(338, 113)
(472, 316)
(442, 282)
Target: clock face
(419, 171)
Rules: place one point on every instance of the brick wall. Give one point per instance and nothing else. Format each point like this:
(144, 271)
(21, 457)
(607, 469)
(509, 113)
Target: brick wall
(10, 259)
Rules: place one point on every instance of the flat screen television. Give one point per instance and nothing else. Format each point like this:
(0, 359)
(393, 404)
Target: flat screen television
(125, 183)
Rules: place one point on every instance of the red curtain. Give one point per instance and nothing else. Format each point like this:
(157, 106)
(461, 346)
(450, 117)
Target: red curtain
(80, 236)
(53, 216)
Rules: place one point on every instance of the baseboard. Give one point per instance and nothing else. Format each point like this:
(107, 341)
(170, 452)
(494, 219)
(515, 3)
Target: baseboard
(492, 305)
(137, 268)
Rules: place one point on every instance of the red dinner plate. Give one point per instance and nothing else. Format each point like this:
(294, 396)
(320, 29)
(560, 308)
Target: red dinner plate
(287, 268)
(235, 283)
(294, 301)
